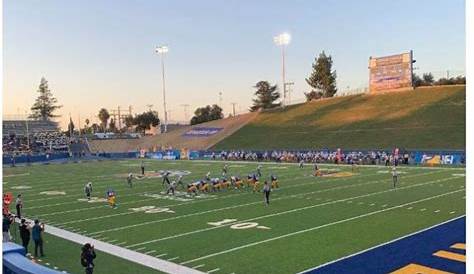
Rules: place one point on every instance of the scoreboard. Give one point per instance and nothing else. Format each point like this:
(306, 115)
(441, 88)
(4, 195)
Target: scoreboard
(389, 73)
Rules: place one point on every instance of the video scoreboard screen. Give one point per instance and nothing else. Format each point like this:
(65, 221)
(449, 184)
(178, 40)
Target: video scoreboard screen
(391, 72)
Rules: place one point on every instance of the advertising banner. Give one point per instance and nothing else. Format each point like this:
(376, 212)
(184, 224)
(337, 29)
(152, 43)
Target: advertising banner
(202, 131)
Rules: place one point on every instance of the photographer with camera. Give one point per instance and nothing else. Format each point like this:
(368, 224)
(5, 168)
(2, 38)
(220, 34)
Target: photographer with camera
(25, 233)
(87, 258)
(37, 231)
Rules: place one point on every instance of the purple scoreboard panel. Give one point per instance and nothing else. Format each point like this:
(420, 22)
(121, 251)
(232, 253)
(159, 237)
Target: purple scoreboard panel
(390, 73)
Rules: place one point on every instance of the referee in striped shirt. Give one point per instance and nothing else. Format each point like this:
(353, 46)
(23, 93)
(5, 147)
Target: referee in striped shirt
(266, 191)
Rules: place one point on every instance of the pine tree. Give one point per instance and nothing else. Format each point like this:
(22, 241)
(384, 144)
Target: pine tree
(322, 79)
(266, 96)
(45, 104)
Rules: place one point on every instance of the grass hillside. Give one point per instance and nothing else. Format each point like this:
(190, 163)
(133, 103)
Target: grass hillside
(426, 118)
(175, 138)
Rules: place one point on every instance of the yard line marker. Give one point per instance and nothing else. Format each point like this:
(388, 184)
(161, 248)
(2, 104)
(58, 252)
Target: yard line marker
(423, 209)
(174, 258)
(452, 212)
(436, 211)
(121, 243)
(214, 270)
(252, 203)
(410, 208)
(280, 213)
(320, 226)
(161, 255)
(384, 205)
(150, 252)
(112, 241)
(198, 266)
(371, 204)
(141, 248)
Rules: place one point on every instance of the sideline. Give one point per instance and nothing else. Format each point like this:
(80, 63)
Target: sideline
(130, 255)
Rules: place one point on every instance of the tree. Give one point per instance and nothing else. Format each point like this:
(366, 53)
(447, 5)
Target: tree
(146, 120)
(313, 95)
(103, 117)
(129, 121)
(206, 114)
(266, 96)
(95, 127)
(322, 79)
(417, 81)
(45, 103)
(112, 125)
(70, 128)
(428, 79)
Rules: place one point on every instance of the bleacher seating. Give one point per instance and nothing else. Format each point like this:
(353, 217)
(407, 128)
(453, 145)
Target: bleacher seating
(15, 262)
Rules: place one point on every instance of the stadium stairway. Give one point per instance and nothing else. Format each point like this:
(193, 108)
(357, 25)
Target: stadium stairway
(176, 138)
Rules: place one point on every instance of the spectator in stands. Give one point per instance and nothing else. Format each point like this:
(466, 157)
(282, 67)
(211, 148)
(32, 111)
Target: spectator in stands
(25, 234)
(7, 221)
(37, 231)
(19, 206)
(87, 258)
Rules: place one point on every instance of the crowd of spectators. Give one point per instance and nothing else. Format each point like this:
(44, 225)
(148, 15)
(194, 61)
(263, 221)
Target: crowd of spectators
(40, 142)
(324, 156)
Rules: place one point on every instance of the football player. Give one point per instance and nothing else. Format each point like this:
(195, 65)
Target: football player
(274, 180)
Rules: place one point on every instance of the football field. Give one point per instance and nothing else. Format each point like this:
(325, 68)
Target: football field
(310, 220)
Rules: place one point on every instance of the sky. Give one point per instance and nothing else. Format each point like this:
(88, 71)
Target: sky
(101, 53)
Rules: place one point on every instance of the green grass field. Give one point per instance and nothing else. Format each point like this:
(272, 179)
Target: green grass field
(426, 118)
(310, 220)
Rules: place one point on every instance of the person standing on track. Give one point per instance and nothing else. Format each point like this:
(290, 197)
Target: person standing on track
(37, 237)
(394, 176)
(266, 192)
(25, 234)
(19, 206)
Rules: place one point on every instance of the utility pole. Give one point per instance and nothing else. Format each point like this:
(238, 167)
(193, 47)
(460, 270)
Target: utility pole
(79, 123)
(288, 90)
(233, 108)
(27, 131)
(185, 108)
(220, 99)
(120, 118)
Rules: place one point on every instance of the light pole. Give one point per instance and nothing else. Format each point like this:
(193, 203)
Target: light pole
(282, 40)
(161, 50)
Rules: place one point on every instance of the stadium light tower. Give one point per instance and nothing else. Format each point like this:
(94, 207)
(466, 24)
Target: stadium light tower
(282, 40)
(161, 50)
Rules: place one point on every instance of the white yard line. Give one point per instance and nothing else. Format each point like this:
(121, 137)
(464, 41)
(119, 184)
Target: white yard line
(161, 255)
(383, 244)
(283, 212)
(247, 204)
(198, 266)
(318, 227)
(130, 255)
(214, 270)
(150, 252)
